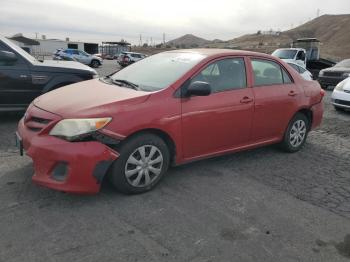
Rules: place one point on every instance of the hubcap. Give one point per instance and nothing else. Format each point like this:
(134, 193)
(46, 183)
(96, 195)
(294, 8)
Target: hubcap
(297, 133)
(143, 166)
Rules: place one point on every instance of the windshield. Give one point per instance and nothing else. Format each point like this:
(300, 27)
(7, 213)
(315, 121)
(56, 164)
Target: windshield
(158, 71)
(285, 54)
(19, 50)
(344, 63)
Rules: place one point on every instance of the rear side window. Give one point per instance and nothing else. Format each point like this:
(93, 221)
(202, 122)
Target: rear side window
(269, 73)
(295, 67)
(224, 75)
(301, 69)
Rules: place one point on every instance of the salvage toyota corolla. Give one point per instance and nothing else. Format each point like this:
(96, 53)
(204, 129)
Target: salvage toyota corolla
(168, 109)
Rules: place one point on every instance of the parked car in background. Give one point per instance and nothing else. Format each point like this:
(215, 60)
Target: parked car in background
(341, 95)
(306, 74)
(98, 55)
(168, 109)
(127, 58)
(108, 57)
(292, 55)
(60, 56)
(333, 75)
(23, 78)
(81, 56)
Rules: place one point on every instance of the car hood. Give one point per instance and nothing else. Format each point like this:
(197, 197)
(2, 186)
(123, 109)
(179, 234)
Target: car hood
(91, 98)
(64, 66)
(347, 84)
(337, 69)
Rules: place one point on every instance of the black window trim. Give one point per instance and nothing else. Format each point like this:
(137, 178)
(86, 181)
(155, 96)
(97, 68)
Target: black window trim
(270, 60)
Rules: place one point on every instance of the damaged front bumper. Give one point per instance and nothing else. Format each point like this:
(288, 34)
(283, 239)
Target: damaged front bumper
(74, 167)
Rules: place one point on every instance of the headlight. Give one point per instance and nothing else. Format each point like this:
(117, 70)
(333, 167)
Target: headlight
(321, 73)
(346, 74)
(340, 86)
(71, 129)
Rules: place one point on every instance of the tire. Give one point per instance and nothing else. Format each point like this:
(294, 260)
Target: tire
(95, 63)
(339, 109)
(130, 161)
(299, 126)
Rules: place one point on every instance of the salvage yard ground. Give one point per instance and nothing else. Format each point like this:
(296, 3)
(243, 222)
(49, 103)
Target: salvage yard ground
(258, 205)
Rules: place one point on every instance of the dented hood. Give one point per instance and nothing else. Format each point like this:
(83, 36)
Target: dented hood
(88, 99)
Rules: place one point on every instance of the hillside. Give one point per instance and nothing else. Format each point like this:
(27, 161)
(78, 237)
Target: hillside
(188, 41)
(331, 30)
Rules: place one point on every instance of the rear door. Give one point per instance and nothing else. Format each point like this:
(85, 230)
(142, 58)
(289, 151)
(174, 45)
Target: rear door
(16, 87)
(276, 99)
(222, 120)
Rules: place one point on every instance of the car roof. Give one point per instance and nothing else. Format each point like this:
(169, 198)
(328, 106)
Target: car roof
(132, 53)
(215, 52)
(292, 48)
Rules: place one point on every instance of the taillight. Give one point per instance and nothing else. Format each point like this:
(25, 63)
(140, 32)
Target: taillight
(126, 59)
(322, 93)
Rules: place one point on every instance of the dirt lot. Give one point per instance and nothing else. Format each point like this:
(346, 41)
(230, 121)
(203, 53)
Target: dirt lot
(258, 205)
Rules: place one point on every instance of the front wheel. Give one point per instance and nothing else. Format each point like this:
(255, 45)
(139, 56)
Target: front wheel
(296, 133)
(338, 108)
(142, 163)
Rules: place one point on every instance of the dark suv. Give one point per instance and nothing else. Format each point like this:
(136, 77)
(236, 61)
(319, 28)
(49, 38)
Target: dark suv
(22, 77)
(334, 75)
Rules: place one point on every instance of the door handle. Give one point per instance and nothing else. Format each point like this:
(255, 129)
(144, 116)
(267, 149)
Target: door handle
(246, 100)
(292, 93)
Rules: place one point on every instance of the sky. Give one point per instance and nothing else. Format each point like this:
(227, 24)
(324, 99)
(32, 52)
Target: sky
(112, 20)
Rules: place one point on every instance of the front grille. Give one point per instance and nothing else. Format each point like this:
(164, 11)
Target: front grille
(342, 102)
(336, 74)
(36, 124)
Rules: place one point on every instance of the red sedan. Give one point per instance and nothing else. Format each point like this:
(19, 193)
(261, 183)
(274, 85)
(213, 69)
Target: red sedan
(168, 109)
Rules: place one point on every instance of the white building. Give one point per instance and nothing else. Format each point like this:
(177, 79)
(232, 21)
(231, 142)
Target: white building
(46, 47)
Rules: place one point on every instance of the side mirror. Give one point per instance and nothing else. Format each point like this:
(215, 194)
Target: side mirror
(198, 88)
(6, 56)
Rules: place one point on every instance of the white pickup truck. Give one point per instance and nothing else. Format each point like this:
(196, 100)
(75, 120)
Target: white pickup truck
(293, 55)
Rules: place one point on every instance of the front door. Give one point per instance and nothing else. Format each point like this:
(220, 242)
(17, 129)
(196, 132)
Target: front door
(222, 120)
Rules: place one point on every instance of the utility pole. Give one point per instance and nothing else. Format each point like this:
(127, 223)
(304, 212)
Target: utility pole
(140, 43)
(164, 38)
(36, 35)
(318, 12)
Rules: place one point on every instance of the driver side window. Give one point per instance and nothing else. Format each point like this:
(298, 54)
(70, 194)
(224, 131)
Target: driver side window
(224, 75)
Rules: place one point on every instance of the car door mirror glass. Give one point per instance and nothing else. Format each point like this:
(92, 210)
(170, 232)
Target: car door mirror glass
(198, 88)
(8, 57)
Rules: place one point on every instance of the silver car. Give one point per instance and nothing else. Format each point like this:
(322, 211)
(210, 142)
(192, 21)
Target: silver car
(80, 56)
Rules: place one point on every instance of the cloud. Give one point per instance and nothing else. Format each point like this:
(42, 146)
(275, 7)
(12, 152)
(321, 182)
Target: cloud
(107, 20)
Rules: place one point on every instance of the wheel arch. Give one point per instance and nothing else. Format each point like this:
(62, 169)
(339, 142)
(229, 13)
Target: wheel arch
(160, 133)
(308, 113)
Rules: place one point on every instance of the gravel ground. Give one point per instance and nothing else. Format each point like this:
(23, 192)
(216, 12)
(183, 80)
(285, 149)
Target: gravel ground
(258, 205)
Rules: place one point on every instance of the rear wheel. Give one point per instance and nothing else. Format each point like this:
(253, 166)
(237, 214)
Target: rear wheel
(95, 63)
(296, 133)
(142, 163)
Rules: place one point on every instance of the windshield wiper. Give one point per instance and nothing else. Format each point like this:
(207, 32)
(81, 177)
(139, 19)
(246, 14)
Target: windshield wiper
(126, 82)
